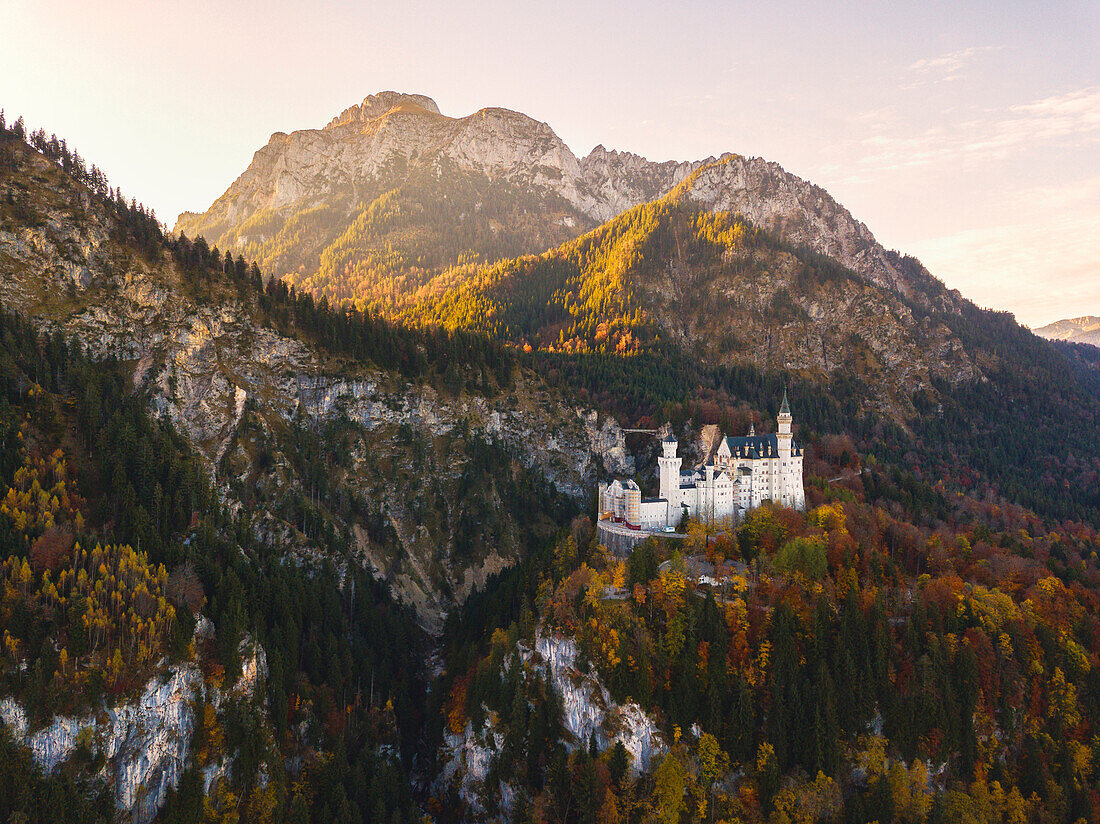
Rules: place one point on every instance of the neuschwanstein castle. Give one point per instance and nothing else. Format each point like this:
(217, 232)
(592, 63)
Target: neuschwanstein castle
(741, 475)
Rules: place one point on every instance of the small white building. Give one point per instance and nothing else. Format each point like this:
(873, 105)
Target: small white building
(743, 474)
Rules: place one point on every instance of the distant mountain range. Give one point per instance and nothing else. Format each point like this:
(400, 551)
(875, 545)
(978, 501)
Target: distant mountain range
(1085, 329)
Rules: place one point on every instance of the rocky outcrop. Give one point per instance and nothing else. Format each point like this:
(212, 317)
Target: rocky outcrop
(312, 165)
(609, 442)
(562, 444)
(588, 713)
(467, 757)
(376, 105)
(144, 743)
(775, 316)
(798, 211)
(253, 668)
(587, 708)
(616, 181)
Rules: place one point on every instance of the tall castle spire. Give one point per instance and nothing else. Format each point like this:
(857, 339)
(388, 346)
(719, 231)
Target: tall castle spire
(783, 433)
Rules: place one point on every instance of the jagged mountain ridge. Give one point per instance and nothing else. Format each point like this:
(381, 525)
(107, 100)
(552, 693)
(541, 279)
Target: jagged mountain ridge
(301, 196)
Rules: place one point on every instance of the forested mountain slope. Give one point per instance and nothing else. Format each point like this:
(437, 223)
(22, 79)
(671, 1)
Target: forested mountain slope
(389, 194)
(157, 653)
(236, 481)
(175, 432)
(730, 274)
(669, 273)
(408, 449)
(841, 664)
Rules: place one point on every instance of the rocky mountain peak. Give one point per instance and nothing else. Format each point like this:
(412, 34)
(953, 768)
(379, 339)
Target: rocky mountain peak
(377, 105)
(365, 152)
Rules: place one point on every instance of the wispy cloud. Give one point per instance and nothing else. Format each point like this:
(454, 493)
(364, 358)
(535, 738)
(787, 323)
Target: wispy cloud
(1069, 118)
(1076, 112)
(947, 68)
(952, 63)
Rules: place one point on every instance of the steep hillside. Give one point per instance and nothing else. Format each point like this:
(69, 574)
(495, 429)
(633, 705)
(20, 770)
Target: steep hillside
(390, 193)
(670, 273)
(838, 664)
(229, 511)
(315, 436)
(158, 656)
(1084, 329)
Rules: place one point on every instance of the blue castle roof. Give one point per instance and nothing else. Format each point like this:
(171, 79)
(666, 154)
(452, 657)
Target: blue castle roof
(757, 446)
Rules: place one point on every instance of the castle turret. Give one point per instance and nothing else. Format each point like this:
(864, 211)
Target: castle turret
(633, 515)
(783, 434)
(669, 466)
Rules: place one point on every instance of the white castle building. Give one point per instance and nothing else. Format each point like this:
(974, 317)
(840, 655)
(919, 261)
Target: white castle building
(742, 474)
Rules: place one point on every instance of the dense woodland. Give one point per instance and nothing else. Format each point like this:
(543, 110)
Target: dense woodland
(857, 668)
(572, 318)
(920, 645)
(457, 359)
(129, 482)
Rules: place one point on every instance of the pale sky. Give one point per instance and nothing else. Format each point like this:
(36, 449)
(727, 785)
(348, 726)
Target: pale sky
(966, 134)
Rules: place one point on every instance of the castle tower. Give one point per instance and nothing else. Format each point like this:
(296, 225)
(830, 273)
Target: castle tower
(783, 434)
(669, 466)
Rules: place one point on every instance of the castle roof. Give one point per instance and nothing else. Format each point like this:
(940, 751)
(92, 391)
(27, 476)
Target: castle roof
(758, 446)
(669, 439)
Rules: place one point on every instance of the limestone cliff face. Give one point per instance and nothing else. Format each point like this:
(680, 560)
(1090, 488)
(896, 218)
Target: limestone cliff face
(772, 315)
(801, 213)
(588, 709)
(588, 712)
(396, 137)
(616, 181)
(145, 743)
(309, 166)
(376, 105)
